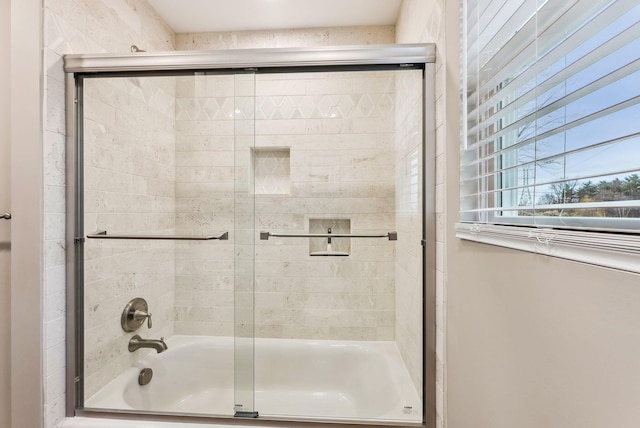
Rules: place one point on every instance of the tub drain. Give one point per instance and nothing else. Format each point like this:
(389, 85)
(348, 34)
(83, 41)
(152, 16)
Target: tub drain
(145, 376)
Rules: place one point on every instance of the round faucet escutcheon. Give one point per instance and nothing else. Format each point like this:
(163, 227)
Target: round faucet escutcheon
(134, 315)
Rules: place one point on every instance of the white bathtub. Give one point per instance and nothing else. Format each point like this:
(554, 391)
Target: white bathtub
(293, 379)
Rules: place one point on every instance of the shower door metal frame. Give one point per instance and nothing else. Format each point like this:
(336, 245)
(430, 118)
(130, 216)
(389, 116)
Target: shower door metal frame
(287, 60)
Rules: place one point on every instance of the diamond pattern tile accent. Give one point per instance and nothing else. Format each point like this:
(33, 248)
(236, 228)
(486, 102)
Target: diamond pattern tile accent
(365, 106)
(323, 106)
(343, 106)
(266, 108)
(193, 109)
(385, 105)
(211, 108)
(244, 108)
(306, 107)
(226, 106)
(181, 109)
(287, 107)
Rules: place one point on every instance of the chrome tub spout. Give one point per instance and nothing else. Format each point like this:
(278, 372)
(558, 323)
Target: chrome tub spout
(137, 342)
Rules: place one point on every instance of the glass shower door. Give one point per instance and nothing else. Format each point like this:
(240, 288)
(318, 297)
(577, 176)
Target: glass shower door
(338, 304)
(166, 202)
(244, 243)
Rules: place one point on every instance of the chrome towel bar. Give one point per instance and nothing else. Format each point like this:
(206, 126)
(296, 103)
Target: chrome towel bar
(102, 234)
(264, 236)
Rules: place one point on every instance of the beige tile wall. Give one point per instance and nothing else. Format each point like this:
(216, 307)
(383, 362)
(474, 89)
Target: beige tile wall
(307, 37)
(205, 204)
(339, 128)
(129, 181)
(72, 26)
(292, 108)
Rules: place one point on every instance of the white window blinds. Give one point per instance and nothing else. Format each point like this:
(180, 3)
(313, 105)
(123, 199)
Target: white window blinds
(551, 118)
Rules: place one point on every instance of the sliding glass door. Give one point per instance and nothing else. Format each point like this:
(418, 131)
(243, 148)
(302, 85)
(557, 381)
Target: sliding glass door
(166, 267)
(250, 243)
(337, 168)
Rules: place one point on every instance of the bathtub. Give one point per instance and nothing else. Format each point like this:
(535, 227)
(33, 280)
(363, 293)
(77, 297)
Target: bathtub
(293, 379)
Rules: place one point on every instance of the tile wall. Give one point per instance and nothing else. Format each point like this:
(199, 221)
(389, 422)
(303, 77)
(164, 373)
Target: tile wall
(205, 204)
(334, 36)
(72, 26)
(339, 128)
(129, 180)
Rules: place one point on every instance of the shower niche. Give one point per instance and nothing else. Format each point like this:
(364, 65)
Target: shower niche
(271, 170)
(260, 212)
(328, 246)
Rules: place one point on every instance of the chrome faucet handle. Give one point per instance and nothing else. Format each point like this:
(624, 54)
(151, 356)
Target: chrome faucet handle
(139, 315)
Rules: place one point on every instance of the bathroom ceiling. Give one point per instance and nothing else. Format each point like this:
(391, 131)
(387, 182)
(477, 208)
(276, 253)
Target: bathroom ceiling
(186, 16)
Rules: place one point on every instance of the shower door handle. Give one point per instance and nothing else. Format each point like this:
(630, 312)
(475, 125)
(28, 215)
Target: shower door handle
(5, 216)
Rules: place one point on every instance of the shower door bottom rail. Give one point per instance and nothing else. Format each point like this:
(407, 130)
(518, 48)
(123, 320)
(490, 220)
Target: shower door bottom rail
(264, 236)
(102, 234)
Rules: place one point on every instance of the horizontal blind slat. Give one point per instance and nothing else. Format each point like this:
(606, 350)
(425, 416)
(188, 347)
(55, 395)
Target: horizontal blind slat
(495, 155)
(579, 31)
(624, 38)
(577, 205)
(566, 100)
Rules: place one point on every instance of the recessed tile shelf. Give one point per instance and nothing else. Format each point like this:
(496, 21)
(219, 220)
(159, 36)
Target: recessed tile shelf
(272, 171)
(322, 225)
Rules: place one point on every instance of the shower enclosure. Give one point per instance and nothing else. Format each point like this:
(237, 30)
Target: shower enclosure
(250, 234)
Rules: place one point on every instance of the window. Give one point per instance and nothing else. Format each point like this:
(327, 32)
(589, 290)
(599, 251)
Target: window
(551, 116)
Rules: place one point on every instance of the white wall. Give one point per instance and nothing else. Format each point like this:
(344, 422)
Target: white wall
(540, 342)
(532, 341)
(27, 309)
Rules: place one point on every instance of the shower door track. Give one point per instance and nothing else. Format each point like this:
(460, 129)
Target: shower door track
(370, 55)
(278, 60)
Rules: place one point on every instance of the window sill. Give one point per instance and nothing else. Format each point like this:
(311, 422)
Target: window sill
(598, 248)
